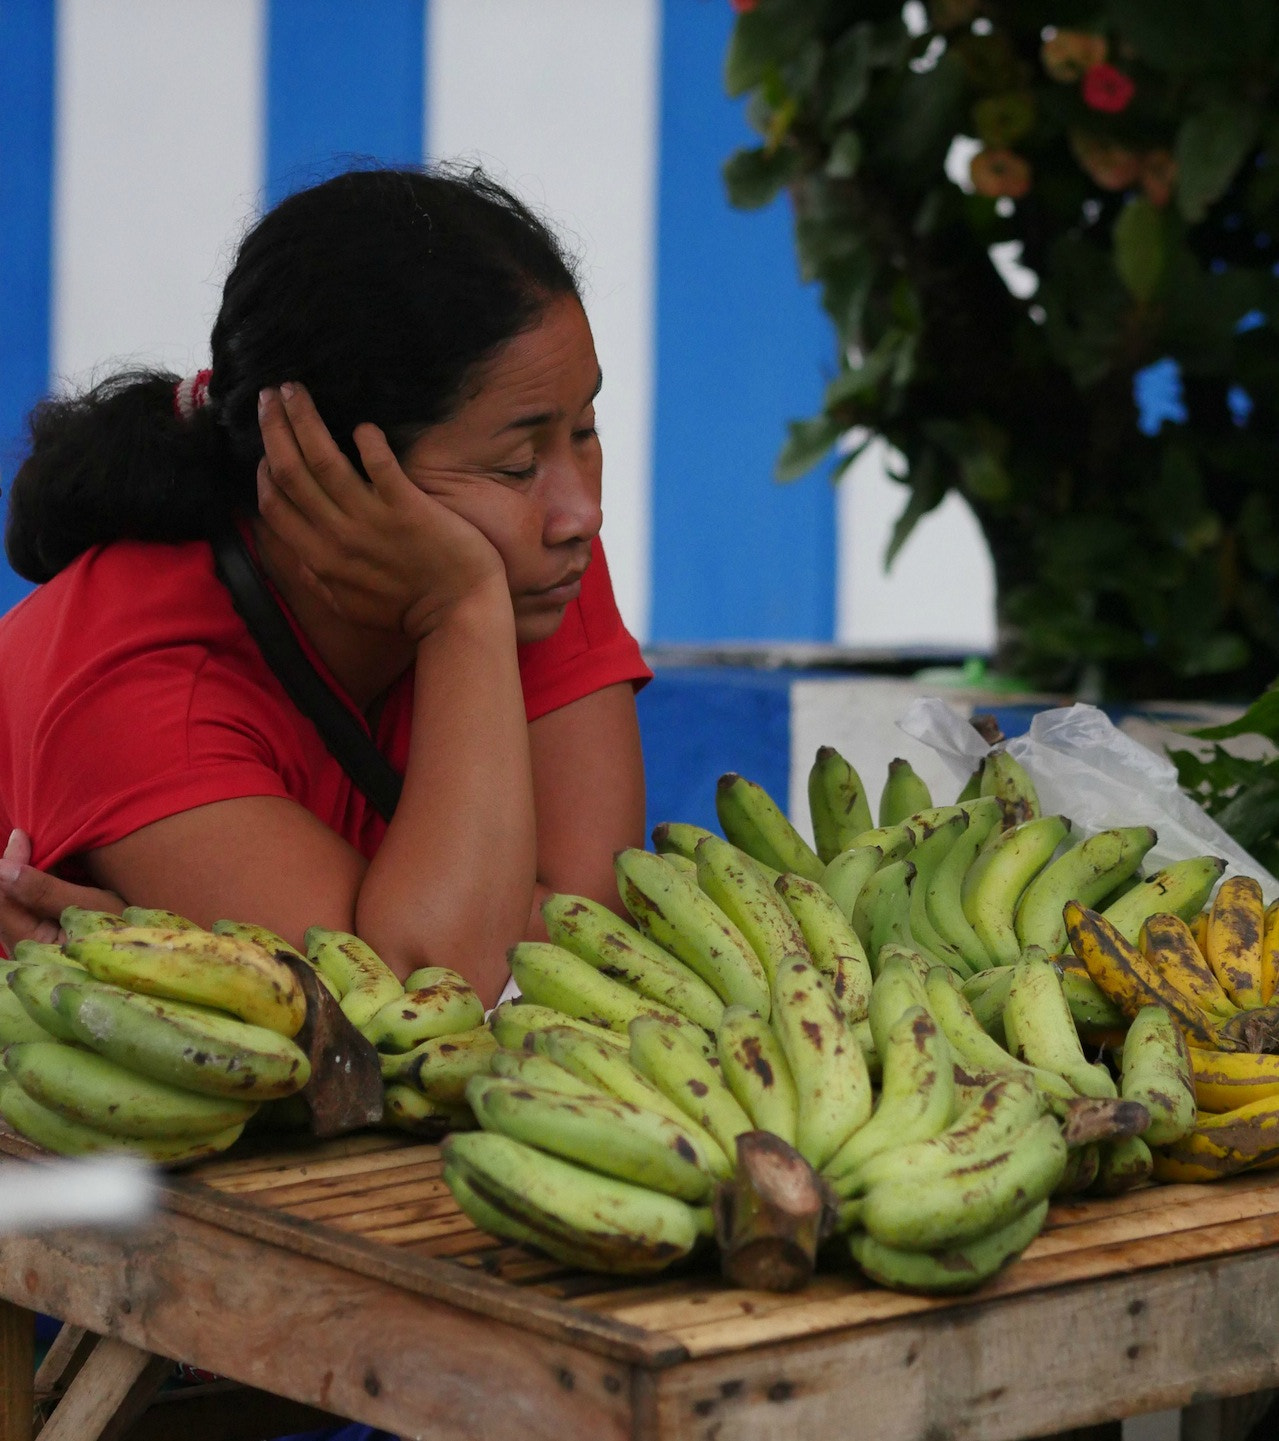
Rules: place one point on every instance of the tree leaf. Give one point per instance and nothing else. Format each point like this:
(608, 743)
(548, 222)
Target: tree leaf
(807, 441)
(1261, 718)
(926, 489)
(754, 177)
(1139, 247)
(1211, 146)
(764, 40)
(849, 69)
(845, 155)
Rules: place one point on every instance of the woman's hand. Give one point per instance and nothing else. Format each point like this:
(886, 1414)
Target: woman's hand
(383, 554)
(31, 901)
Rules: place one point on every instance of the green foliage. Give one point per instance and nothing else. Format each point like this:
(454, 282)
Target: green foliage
(1241, 793)
(1130, 148)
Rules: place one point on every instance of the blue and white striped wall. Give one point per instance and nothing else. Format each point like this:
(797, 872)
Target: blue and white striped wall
(138, 137)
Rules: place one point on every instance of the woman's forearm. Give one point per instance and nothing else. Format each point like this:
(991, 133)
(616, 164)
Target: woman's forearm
(452, 883)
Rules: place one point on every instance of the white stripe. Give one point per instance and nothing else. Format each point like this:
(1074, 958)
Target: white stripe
(940, 592)
(560, 101)
(158, 125)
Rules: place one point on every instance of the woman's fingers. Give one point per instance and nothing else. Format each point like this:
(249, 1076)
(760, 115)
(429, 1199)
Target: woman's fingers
(302, 460)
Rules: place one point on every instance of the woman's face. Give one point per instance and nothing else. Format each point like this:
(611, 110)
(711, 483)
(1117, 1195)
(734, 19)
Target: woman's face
(521, 461)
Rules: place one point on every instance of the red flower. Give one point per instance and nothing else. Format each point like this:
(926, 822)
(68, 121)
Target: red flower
(743, 7)
(1106, 88)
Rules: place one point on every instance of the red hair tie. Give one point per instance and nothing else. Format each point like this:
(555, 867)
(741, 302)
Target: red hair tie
(191, 394)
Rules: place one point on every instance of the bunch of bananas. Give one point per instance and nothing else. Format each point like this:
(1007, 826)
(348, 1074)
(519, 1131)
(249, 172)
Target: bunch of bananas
(906, 1003)
(1214, 978)
(145, 1033)
(428, 1030)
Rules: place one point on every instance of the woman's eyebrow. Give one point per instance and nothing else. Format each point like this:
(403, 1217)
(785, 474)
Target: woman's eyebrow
(544, 417)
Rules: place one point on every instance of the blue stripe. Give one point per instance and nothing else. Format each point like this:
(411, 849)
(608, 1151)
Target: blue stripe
(742, 347)
(344, 83)
(26, 203)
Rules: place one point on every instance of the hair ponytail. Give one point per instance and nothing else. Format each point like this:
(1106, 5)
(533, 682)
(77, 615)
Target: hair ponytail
(115, 463)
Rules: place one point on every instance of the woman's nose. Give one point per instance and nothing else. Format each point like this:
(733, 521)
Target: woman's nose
(573, 511)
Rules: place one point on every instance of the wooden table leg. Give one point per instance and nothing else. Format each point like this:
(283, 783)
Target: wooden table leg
(17, 1371)
(112, 1389)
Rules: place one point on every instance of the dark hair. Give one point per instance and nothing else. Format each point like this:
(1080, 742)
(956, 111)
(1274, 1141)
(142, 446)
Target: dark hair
(381, 290)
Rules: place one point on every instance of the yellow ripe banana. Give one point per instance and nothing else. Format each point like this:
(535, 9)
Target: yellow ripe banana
(441, 1067)
(1123, 973)
(832, 1082)
(952, 1270)
(198, 968)
(837, 803)
(682, 1073)
(405, 1108)
(1168, 943)
(1235, 923)
(1269, 952)
(1228, 1080)
(756, 1070)
(998, 877)
(1223, 1145)
(1157, 1072)
(596, 935)
(187, 1046)
(673, 911)
(516, 1024)
(833, 945)
(904, 793)
(548, 975)
(1199, 928)
(270, 941)
(754, 822)
(739, 887)
(598, 1132)
(444, 1005)
(917, 1093)
(364, 981)
(1181, 887)
(86, 1088)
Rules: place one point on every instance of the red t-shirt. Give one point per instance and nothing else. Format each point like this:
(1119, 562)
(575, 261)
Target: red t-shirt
(131, 690)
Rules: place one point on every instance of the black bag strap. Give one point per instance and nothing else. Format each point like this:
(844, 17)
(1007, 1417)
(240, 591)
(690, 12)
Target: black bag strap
(347, 741)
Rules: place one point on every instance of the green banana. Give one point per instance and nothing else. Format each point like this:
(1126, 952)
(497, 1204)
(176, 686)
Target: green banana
(534, 1069)
(898, 987)
(515, 1025)
(1091, 1007)
(943, 894)
(845, 876)
(833, 946)
(27, 951)
(629, 1229)
(934, 844)
(682, 1073)
(739, 887)
(598, 1132)
(157, 917)
(1082, 1168)
(1157, 1073)
(548, 975)
(443, 1004)
(678, 838)
(1041, 1031)
(186, 1046)
(952, 1270)
(364, 981)
(441, 1067)
(837, 803)
(270, 941)
(16, 1023)
(976, 1196)
(86, 1088)
(1004, 777)
(70, 1138)
(34, 983)
(754, 822)
(610, 1070)
(987, 993)
(677, 915)
(596, 935)
(1086, 873)
(917, 1093)
(832, 1082)
(893, 841)
(198, 968)
(405, 1108)
(904, 793)
(755, 1068)
(1182, 888)
(882, 914)
(1125, 1164)
(682, 864)
(78, 922)
(997, 878)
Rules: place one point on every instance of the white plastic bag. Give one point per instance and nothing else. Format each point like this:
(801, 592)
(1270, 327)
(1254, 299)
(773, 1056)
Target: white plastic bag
(1085, 767)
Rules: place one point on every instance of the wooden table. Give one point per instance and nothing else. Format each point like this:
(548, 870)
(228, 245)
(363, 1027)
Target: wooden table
(342, 1275)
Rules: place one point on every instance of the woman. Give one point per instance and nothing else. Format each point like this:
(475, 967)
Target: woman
(400, 419)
